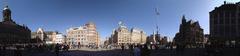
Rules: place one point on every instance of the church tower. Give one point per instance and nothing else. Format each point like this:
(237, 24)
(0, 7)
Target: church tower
(183, 19)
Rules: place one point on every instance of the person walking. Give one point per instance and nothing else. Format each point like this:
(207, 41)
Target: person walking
(131, 49)
(137, 51)
(145, 51)
(122, 47)
(57, 47)
(18, 51)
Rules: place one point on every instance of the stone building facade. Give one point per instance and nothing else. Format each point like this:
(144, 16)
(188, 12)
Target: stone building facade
(122, 36)
(60, 39)
(86, 35)
(46, 37)
(225, 23)
(12, 33)
(190, 34)
(138, 36)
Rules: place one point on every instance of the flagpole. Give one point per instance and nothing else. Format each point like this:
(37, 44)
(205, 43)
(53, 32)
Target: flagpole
(157, 16)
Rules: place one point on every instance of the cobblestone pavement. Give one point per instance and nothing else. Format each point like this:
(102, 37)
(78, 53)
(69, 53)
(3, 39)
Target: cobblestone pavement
(84, 53)
(98, 53)
(118, 52)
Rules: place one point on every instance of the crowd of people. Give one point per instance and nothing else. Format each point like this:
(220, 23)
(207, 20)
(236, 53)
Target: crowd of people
(83, 46)
(137, 50)
(17, 50)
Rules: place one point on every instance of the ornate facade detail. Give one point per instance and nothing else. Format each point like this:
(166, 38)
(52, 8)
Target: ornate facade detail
(225, 23)
(190, 34)
(83, 36)
(12, 33)
(122, 36)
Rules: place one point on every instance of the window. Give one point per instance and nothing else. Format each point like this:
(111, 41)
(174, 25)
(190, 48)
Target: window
(238, 14)
(233, 30)
(221, 14)
(238, 27)
(215, 21)
(221, 21)
(233, 14)
(227, 21)
(238, 20)
(233, 21)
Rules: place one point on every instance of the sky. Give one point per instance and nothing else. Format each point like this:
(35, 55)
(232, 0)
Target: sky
(59, 15)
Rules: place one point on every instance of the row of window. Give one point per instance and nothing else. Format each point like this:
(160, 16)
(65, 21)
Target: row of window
(77, 39)
(226, 21)
(226, 14)
(83, 31)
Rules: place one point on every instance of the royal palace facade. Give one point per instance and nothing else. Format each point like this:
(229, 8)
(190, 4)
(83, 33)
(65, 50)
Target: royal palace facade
(225, 24)
(12, 33)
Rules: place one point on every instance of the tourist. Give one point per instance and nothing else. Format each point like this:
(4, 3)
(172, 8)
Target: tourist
(57, 47)
(122, 47)
(145, 51)
(137, 51)
(18, 51)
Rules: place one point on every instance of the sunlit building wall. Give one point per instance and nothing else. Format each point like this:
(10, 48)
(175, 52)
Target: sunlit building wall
(83, 35)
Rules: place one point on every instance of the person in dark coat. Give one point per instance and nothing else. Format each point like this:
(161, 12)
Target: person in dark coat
(57, 47)
(145, 51)
(18, 52)
(122, 47)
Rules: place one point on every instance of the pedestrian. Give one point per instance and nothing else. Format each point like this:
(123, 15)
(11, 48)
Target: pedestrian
(137, 51)
(65, 47)
(156, 47)
(18, 52)
(57, 47)
(151, 46)
(145, 51)
(68, 47)
(122, 47)
(131, 47)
